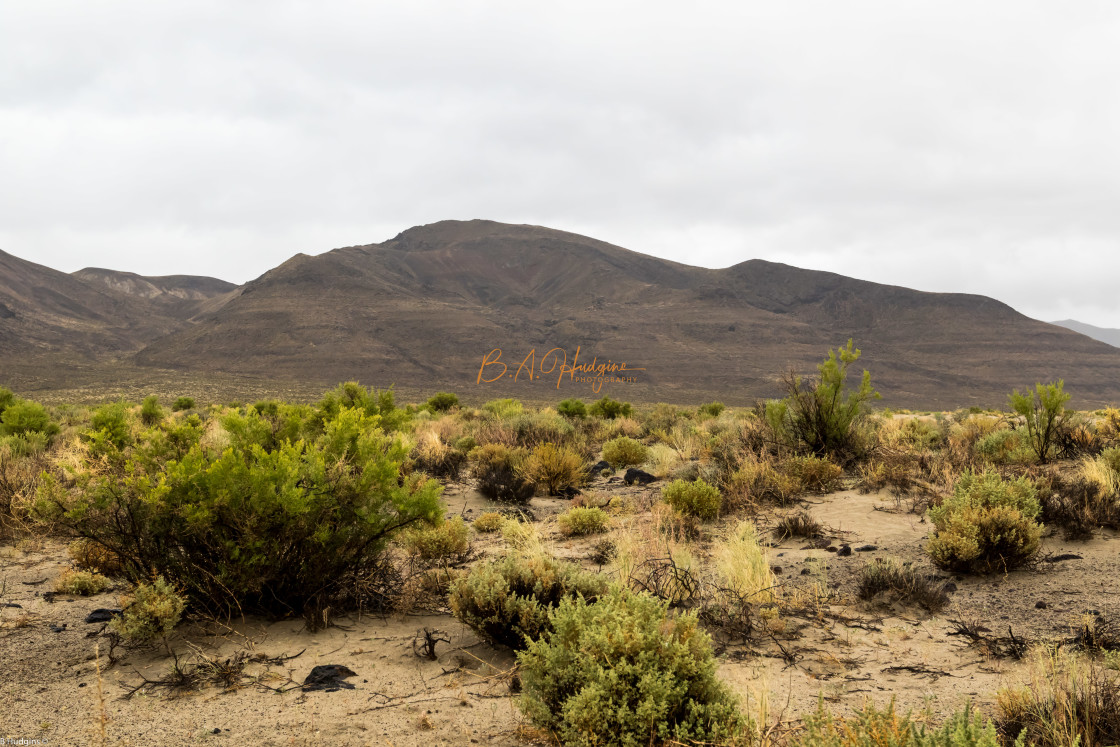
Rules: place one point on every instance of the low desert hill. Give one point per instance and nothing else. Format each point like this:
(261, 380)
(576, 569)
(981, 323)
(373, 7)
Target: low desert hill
(423, 309)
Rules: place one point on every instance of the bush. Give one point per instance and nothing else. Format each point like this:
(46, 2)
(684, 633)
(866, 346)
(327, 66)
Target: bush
(572, 408)
(182, 403)
(150, 411)
(504, 408)
(872, 727)
(1045, 413)
(273, 529)
(508, 601)
(987, 525)
(558, 468)
(443, 401)
(821, 413)
(80, 583)
(446, 539)
(491, 521)
(152, 610)
(624, 452)
(693, 498)
(582, 521)
(900, 583)
(609, 409)
(498, 471)
(620, 671)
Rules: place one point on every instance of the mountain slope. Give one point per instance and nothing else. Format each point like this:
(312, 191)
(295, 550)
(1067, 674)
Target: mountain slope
(1103, 334)
(422, 309)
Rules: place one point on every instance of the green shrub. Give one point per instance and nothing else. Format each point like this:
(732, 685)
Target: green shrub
(182, 403)
(81, 583)
(872, 727)
(624, 452)
(23, 418)
(150, 411)
(504, 408)
(256, 526)
(693, 498)
(558, 468)
(443, 401)
(508, 601)
(620, 671)
(152, 610)
(446, 539)
(987, 525)
(1045, 413)
(712, 409)
(609, 409)
(490, 521)
(822, 414)
(572, 408)
(498, 471)
(581, 521)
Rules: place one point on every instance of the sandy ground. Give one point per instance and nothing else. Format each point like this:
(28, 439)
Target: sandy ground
(844, 651)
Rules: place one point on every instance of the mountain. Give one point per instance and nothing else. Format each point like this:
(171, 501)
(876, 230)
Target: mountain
(1103, 334)
(44, 312)
(423, 309)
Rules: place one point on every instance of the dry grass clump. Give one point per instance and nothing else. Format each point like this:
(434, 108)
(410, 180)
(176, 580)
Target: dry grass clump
(490, 521)
(1069, 700)
(558, 468)
(899, 582)
(81, 583)
(577, 522)
(448, 539)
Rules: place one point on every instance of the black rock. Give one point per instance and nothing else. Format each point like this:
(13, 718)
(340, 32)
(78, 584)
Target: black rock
(102, 615)
(844, 551)
(634, 475)
(867, 548)
(599, 466)
(329, 678)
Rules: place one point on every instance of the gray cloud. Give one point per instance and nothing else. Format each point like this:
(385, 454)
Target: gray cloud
(950, 147)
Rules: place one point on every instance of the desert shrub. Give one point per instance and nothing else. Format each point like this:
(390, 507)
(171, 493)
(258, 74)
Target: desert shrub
(572, 408)
(800, 524)
(504, 408)
(872, 727)
(1068, 701)
(490, 521)
(712, 409)
(289, 528)
(443, 401)
(987, 525)
(693, 498)
(437, 458)
(446, 539)
(152, 610)
(1045, 414)
(109, 428)
(624, 452)
(821, 413)
(609, 409)
(655, 684)
(182, 403)
(818, 474)
(80, 583)
(150, 411)
(498, 471)
(508, 601)
(580, 521)
(557, 468)
(91, 556)
(900, 583)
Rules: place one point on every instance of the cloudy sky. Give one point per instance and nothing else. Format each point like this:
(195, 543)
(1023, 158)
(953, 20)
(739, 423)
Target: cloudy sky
(946, 146)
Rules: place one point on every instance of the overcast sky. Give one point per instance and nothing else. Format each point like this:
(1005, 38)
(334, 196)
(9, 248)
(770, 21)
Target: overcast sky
(945, 146)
